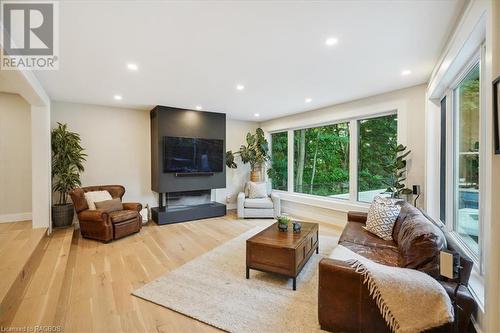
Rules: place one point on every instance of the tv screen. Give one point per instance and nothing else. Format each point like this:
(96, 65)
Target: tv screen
(187, 155)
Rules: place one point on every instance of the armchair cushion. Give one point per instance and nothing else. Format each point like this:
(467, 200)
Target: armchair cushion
(95, 196)
(110, 205)
(259, 203)
(122, 215)
(257, 190)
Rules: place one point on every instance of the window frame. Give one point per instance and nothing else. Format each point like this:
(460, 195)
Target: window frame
(452, 159)
(353, 156)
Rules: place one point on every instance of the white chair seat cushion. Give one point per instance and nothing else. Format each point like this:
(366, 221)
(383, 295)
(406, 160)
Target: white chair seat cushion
(96, 196)
(259, 203)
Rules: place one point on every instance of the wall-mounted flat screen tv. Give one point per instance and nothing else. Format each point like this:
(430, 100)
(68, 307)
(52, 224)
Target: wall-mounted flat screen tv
(192, 155)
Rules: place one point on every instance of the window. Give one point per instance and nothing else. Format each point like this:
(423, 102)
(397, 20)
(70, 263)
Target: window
(442, 171)
(321, 160)
(279, 161)
(466, 158)
(378, 139)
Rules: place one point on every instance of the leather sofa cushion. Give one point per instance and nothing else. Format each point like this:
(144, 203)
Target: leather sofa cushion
(419, 242)
(355, 233)
(123, 215)
(259, 203)
(383, 255)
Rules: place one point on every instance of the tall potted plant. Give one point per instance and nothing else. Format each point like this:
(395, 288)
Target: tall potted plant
(256, 153)
(397, 170)
(67, 164)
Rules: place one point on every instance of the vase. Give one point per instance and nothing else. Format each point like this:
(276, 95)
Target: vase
(256, 174)
(62, 215)
(282, 227)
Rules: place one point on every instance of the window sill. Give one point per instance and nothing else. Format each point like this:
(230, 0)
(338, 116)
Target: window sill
(323, 202)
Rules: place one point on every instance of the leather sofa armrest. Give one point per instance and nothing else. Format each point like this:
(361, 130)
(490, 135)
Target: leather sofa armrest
(344, 302)
(132, 206)
(338, 296)
(357, 217)
(98, 215)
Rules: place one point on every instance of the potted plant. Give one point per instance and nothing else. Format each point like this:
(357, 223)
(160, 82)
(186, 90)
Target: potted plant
(397, 170)
(67, 164)
(283, 222)
(256, 153)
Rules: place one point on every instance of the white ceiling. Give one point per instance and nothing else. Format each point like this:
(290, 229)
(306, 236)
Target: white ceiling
(195, 53)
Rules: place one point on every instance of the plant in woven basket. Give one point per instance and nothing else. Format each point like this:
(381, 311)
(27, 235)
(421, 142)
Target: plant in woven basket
(67, 165)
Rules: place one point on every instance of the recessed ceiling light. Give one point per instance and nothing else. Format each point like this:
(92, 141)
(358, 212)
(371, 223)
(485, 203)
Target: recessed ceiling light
(406, 72)
(331, 41)
(308, 100)
(240, 87)
(198, 107)
(256, 115)
(132, 67)
(118, 97)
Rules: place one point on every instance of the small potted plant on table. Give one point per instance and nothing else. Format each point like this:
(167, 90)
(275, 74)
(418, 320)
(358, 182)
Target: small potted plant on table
(283, 222)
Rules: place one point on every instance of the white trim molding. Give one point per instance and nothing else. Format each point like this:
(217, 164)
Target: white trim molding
(5, 218)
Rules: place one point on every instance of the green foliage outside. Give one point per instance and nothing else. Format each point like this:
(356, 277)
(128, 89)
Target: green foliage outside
(321, 161)
(469, 91)
(321, 157)
(279, 161)
(378, 142)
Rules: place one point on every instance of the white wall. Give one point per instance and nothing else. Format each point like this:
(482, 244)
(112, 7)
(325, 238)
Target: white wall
(117, 141)
(15, 158)
(410, 104)
(236, 132)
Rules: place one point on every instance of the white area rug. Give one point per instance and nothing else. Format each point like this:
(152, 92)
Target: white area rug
(212, 288)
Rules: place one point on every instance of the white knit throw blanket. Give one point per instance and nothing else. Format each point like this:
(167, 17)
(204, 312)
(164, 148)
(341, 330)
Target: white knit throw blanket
(408, 300)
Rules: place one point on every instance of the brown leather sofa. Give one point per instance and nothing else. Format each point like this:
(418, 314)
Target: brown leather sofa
(101, 225)
(344, 302)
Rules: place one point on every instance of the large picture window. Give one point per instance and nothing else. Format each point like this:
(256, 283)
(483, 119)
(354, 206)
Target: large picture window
(279, 161)
(378, 138)
(321, 160)
(466, 158)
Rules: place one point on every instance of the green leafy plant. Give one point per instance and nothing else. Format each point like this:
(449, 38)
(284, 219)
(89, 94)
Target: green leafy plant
(256, 152)
(397, 170)
(283, 220)
(67, 161)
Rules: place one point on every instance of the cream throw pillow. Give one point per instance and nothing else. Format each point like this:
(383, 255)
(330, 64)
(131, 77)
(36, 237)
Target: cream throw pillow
(96, 196)
(382, 216)
(257, 190)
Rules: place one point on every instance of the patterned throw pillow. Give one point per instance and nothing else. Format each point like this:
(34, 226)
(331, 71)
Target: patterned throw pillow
(382, 215)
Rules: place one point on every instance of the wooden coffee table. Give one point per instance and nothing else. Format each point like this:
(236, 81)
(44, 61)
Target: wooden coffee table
(284, 253)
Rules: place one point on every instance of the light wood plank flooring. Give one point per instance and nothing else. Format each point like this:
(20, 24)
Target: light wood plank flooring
(99, 278)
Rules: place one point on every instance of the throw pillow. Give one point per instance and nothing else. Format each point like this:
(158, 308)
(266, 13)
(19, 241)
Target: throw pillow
(382, 215)
(257, 190)
(95, 196)
(112, 205)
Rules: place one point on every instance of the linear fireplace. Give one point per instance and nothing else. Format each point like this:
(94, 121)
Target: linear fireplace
(187, 163)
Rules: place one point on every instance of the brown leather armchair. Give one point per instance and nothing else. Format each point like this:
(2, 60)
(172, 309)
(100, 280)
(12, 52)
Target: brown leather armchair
(101, 225)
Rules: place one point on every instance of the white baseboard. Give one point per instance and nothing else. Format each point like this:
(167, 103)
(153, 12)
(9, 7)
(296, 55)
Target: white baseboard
(15, 217)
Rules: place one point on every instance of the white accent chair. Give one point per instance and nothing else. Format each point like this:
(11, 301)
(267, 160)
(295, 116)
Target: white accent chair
(269, 207)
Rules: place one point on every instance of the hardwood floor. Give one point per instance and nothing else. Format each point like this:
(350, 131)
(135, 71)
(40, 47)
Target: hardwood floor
(99, 278)
(20, 255)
